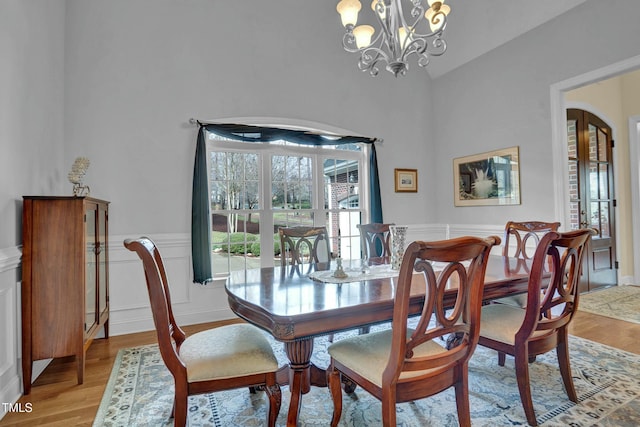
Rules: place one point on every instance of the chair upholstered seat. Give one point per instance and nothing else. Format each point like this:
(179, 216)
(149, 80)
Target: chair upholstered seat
(245, 352)
(500, 322)
(369, 354)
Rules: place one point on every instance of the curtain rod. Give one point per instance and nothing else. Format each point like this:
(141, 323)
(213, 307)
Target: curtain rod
(197, 122)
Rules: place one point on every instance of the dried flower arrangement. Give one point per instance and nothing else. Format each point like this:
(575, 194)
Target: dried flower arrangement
(78, 170)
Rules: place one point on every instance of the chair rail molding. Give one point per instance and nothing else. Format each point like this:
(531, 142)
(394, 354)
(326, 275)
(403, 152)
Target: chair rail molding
(10, 258)
(129, 303)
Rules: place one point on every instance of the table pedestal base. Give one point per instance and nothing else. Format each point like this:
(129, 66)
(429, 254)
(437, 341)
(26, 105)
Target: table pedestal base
(301, 374)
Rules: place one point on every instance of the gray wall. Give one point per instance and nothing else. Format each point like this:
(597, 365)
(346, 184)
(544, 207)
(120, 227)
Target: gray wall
(31, 148)
(136, 71)
(503, 99)
(31, 107)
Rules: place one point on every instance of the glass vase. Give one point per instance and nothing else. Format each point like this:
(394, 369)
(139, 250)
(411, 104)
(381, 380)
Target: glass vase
(398, 236)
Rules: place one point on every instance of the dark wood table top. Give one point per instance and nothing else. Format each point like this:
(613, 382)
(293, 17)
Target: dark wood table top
(293, 306)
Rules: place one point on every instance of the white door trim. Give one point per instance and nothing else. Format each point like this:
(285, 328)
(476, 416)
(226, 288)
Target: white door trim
(634, 157)
(559, 141)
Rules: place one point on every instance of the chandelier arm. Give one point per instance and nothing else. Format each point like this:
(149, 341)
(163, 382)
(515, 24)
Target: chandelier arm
(385, 11)
(371, 56)
(440, 45)
(396, 39)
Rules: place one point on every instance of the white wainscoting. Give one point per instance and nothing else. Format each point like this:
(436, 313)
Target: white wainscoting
(449, 231)
(192, 303)
(10, 368)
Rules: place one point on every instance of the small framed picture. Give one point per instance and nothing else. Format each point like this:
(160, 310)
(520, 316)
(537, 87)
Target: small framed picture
(406, 180)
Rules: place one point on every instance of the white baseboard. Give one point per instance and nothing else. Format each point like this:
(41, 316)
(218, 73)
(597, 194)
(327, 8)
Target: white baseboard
(10, 393)
(627, 280)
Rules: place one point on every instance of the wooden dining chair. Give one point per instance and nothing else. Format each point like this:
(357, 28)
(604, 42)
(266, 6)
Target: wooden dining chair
(402, 364)
(305, 247)
(222, 358)
(522, 238)
(520, 241)
(552, 300)
(375, 240)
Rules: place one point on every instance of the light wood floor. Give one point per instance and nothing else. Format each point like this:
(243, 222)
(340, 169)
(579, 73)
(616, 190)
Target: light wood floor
(57, 400)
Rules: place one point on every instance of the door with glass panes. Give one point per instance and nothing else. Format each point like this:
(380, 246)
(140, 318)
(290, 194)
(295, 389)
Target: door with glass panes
(591, 192)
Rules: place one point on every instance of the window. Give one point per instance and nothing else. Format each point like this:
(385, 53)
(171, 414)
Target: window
(258, 187)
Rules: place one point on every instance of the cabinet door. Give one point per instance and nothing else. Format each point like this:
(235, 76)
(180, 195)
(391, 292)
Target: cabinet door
(91, 278)
(102, 253)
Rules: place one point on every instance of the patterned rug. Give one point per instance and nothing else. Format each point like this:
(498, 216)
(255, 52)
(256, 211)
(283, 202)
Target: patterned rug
(607, 380)
(618, 302)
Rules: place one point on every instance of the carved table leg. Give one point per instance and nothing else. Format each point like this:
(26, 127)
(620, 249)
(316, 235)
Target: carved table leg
(299, 354)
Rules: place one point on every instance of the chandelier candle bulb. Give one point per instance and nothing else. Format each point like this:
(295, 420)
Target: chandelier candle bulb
(363, 34)
(348, 10)
(399, 36)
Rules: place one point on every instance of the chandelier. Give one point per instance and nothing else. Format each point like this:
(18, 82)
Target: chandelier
(399, 37)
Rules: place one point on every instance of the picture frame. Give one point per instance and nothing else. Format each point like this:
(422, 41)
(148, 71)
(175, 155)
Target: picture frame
(485, 179)
(406, 180)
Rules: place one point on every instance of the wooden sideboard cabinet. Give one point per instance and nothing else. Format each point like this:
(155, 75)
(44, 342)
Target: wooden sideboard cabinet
(65, 281)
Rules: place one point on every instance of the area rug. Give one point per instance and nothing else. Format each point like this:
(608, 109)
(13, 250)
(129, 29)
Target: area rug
(618, 302)
(607, 380)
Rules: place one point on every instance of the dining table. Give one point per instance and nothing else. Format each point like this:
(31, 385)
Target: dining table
(296, 305)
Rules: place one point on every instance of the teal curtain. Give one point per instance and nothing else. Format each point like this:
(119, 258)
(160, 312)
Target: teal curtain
(375, 204)
(201, 217)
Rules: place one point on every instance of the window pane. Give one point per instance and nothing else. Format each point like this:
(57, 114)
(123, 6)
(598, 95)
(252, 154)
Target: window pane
(593, 143)
(341, 178)
(218, 191)
(573, 180)
(277, 195)
(229, 172)
(218, 239)
(593, 180)
(572, 139)
(604, 220)
(236, 241)
(252, 195)
(574, 215)
(292, 182)
(603, 178)
(595, 215)
(602, 146)
(349, 242)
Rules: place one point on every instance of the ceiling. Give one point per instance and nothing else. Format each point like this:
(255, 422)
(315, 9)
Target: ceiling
(475, 27)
